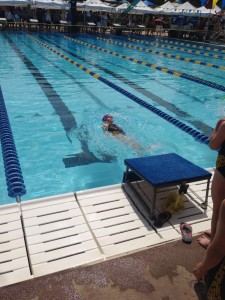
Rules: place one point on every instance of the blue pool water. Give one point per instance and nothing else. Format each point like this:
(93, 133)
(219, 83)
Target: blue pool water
(55, 108)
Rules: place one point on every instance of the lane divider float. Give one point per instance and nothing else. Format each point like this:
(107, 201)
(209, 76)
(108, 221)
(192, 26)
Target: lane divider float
(168, 55)
(175, 48)
(192, 45)
(159, 68)
(13, 173)
(198, 136)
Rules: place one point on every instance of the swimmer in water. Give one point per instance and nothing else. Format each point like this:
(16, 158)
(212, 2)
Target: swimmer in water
(110, 126)
(118, 132)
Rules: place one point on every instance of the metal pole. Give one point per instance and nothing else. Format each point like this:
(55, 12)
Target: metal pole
(207, 25)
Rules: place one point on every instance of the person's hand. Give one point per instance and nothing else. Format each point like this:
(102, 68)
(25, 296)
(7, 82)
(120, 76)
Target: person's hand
(199, 271)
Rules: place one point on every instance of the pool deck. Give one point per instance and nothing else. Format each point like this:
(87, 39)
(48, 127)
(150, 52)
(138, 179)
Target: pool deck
(92, 228)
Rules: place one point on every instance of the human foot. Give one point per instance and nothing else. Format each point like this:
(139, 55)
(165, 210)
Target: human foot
(207, 232)
(203, 241)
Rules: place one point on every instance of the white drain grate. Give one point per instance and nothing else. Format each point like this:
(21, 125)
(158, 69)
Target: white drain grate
(69, 230)
(117, 223)
(14, 266)
(57, 235)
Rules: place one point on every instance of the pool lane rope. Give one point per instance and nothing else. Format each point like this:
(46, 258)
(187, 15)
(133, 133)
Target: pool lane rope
(145, 64)
(198, 136)
(168, 55)
(192, 51)
(14, 178)
(191, 45)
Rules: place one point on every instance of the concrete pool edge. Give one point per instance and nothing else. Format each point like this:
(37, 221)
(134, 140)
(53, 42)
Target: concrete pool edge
(64, 231)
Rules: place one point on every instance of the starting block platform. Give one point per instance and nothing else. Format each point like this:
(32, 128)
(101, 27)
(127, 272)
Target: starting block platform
(165, 170)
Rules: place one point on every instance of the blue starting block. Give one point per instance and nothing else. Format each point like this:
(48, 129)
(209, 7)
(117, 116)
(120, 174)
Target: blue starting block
(165, 170)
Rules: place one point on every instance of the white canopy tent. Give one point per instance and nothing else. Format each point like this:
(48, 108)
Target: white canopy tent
(15, 2)
(139, 8)
(208, 12)
(186, 5)
(185, 9)
(122, 7)
(79, 6)
(47, 4)
(142, 8)
(51, 4)
(163, 7)
(95, 5)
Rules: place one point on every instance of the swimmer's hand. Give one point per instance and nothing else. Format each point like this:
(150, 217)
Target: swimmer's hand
(105, 127)
(153, 147)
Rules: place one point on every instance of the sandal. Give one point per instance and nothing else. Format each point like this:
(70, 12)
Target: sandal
(162, 218)
(186, 231)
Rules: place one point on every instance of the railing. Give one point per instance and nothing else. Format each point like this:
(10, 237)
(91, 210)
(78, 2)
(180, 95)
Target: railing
(173, 31)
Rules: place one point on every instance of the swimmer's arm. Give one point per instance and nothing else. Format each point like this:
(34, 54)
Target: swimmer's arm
(105, 127)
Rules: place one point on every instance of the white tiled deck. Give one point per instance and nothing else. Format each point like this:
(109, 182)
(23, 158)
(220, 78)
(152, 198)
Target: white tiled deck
(69, 230)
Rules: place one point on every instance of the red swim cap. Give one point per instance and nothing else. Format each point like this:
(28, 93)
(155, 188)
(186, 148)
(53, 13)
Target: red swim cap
(105, 117)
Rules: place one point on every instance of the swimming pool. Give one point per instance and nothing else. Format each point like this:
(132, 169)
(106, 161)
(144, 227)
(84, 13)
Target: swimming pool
(55, 101)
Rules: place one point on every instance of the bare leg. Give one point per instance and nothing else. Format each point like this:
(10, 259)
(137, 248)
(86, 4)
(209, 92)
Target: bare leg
(129, 141)
(218, 194)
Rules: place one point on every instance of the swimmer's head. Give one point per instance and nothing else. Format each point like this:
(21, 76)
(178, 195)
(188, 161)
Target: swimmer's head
(106, 117)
